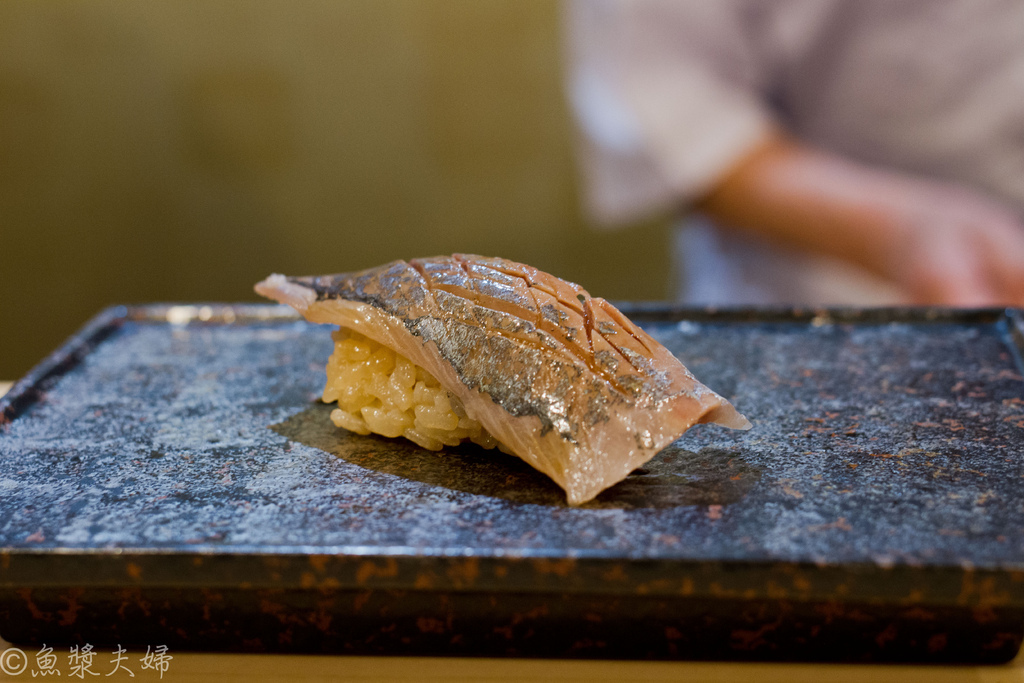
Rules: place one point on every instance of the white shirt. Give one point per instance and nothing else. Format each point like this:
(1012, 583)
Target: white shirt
(671, 94)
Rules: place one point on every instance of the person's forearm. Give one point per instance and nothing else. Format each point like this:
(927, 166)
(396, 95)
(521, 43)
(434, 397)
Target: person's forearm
(941, 242)
(815, 201)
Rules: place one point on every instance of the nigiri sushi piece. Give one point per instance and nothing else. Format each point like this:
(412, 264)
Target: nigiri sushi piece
(453, 348)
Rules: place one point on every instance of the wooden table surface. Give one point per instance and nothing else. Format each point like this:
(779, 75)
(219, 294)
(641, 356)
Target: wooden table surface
(195, 668)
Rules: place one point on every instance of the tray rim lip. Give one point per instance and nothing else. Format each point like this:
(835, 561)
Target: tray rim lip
(109, 320)
(819, 315)
(59, 361)
(285, 550)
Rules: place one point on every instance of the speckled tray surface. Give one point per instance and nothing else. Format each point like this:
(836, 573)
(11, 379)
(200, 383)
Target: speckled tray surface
(182, 449)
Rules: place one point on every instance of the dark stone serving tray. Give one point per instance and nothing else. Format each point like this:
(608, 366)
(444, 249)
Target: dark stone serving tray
(168, 476)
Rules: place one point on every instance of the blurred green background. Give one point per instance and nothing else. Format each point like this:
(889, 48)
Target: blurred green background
(181, 151)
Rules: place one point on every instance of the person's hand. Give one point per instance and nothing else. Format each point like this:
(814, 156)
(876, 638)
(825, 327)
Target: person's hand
(941, 243)
(956, 247)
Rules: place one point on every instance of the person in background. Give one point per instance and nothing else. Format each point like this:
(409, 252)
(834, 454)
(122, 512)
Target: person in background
(861, 152)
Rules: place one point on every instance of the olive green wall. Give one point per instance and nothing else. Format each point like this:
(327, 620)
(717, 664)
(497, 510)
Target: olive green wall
(173, 151)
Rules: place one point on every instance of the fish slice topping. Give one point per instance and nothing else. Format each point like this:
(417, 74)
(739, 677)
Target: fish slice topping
(526, 360)
(538, 345)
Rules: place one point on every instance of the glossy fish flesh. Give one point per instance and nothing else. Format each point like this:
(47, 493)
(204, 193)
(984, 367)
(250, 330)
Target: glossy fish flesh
(564, 380)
